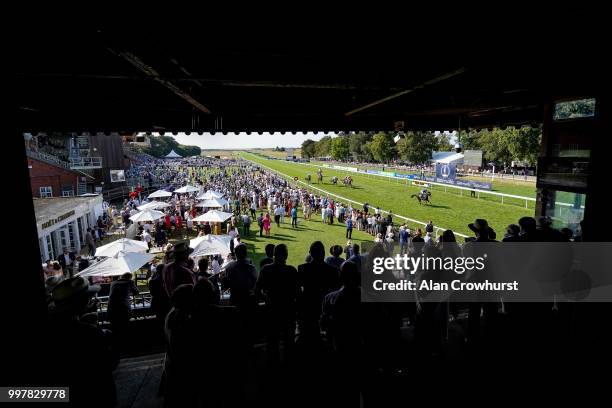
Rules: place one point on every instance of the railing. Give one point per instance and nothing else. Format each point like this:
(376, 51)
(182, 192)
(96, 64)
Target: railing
(86, 163)
(48, 158)
(311, 187)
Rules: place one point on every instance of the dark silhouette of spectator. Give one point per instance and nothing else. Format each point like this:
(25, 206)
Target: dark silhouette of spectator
(160, 302)
(568, 234)
(119, 306)
(179, 383)
(269, 256)
(240, 278)
(340, 317)
(82, 263)
(488, 310)
(335, 259)
(68, 324)
(203, 268)
(219, 327)
(160, 237)
(512, 233)
(277, 284)
(177, 272)
(448, 245)
(546, 233)
(528, 230)
(316, 280)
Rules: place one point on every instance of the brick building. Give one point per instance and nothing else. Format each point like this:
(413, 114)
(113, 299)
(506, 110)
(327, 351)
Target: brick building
(54, 180)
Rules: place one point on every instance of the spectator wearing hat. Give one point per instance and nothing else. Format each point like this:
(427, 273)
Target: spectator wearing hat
(481, 229)
(177, 271)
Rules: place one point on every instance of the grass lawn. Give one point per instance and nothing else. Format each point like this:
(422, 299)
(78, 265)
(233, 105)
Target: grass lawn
(508, 186)
(298, 239)
(448, 209)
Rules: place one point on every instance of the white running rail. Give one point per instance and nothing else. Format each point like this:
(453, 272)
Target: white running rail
(309, 186)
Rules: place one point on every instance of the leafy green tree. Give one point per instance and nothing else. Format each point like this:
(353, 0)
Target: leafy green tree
(357, 146)
(340, 147)
(382, 147)
(308, 148)
(162, 145)
(443, 142)
(417, 147)
(323, 147)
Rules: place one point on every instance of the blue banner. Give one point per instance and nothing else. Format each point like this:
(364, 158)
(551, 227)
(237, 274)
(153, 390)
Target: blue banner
(446, 172)
(405, 176)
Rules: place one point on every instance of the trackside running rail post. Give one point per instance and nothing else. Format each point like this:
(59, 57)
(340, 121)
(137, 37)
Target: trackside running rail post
(308, 186)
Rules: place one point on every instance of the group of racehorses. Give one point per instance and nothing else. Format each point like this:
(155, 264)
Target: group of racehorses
(347, 181)
(423, 197)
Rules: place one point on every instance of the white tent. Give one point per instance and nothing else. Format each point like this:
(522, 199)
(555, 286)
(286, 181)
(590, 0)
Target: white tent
(153, 205)
(212, 203)
(186, 189)
(213, 216)
(209, 195)
(147, 215)
(117, 265)
(173, 155)
(210, 245)
(122, 245)
(160, 194)
(448, 157)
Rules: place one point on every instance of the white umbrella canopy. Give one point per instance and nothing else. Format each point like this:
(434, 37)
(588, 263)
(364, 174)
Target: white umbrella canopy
(122, 245)
(153, 205)
(117, 265)
(209, 195)
(213, 216)
(187, 189)
(210, 245)
(160, 194)
(147, 215)
(212, 203)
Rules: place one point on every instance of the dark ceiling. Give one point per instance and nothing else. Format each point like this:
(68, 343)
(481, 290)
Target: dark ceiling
(189, 80)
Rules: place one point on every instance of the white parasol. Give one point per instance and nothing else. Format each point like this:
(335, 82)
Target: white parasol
(160, 194)
(213, 216)
(210, 245)
(187, 189)
(147, 215)
(117, 265)
(122, 245)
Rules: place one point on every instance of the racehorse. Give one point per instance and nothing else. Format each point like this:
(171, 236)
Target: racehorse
(348, 181)
(422, 197)
(334, 180)
(319, 176)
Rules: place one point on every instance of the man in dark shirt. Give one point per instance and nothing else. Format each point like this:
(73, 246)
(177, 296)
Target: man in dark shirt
(269, 256)
(316, 279)
(240, 278)
(277, 284)
(119, 306)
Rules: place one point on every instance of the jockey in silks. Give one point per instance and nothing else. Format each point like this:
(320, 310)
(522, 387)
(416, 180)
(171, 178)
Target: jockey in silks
(424, 192)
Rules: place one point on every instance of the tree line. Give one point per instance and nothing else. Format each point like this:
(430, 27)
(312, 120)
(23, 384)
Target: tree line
(162, 145)
(499, 145)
